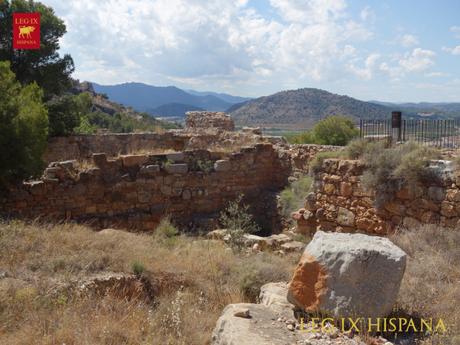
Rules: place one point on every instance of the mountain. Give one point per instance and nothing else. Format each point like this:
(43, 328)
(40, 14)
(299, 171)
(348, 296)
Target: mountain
(173, 110)
(114, 117)
(426, 109)
(224, 96)
(236, 106)
(143, 97)
(300, 109)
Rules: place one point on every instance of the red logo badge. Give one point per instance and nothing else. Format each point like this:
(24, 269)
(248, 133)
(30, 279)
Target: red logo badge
(26, 30)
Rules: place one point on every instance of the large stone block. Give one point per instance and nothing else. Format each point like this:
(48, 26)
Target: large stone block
(222, 165)
(176, 156)
(348, 275)
(134, 160)
(345, 217)
(176, 168)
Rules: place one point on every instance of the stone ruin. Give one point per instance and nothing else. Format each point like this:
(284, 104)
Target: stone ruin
(339, 202)
(208, 120)
(133, 180)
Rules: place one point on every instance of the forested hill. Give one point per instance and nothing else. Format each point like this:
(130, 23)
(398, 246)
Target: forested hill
(303, 108)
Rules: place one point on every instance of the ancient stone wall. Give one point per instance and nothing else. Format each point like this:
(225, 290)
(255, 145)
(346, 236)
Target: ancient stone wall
(302, 154)
(209, 119)
(340, 203)
(82, 147)
(137, 191)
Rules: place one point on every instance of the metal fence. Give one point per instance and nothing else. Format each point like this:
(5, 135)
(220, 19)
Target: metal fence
(439, 133)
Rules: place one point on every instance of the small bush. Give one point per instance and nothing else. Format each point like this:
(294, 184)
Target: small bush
(137, 268)
(358, 147)
(389, 169)
(205, 166)
(166, 233)
(238, 221)
(292, 198)
(301, 138)
(333, 130)
(166, 229)
(257, 272)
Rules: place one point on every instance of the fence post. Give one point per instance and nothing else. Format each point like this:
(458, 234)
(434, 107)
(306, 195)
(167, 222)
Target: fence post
(396, 120)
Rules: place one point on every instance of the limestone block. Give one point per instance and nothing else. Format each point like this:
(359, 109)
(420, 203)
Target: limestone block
(177, 168)
(436, 193)
(222, 165)
(348, 275)
(176, 156)
(134, 160)
(345, 217)
(150, 170)
(100, 159)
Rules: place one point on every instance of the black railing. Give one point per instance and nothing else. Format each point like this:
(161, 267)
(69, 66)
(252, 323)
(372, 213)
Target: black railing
(439, 133)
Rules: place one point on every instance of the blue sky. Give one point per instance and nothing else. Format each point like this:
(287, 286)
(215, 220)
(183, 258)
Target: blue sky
(396, 51)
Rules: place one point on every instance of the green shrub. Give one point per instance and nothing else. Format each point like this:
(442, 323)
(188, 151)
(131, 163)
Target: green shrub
(85, 126)
(292, 197)
(262, 269)
(166, 229)
(389, 169)
(65, 113)
(23, 128)
(238, 221)
(301, 138)
(205, 166)
(138, 268)
(166, 233)
(333, 130)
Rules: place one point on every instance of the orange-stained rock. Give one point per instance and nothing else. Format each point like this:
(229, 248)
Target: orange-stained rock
(308, 284)
(345, 275)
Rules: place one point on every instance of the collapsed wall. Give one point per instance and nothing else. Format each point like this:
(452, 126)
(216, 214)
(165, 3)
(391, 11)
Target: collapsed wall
(301, 155)
(208, 119)
(137, 191)
(340, 203)
(81, 147)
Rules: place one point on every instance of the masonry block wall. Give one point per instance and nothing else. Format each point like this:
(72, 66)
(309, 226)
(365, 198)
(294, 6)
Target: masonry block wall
(340, 203)
(137, 191)
(81, 147)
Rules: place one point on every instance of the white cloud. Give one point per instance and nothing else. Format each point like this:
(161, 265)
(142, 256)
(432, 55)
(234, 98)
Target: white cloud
(436, 74)
(395, 73)
(453, 51)
(218, 42)
(408, 40)
(367, 71)
(310, 11)
(419, 60)
(367, 14)
(456, 31)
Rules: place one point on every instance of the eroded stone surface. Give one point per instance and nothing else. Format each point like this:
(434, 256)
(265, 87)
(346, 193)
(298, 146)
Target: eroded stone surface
(348, 275)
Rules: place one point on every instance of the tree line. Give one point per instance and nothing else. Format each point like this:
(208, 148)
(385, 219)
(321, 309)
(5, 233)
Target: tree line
(36, 101)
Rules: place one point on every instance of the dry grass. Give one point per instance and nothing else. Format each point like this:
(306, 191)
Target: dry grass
(431, 284)
(39, 257)
(145, 151)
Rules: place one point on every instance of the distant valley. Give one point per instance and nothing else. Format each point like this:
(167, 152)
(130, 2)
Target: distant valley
(292, 109)
(168, 101)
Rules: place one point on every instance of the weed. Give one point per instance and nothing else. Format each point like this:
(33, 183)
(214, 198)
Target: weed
(138, 268)
(238, 221)
(292, 197)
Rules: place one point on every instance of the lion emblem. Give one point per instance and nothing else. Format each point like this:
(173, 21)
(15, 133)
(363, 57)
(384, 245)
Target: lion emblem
(26, 31)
